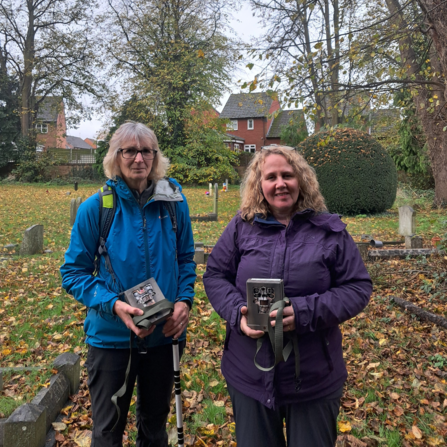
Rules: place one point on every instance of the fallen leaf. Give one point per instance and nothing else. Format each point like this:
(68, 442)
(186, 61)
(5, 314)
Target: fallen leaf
(344, 426)
(416, 432)
(219, 403)
(59, 426)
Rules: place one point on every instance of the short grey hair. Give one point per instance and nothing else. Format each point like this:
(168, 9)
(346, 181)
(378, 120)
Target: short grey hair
(140, 133)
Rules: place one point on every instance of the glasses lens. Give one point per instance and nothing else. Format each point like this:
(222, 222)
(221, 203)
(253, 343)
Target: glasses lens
(148, 153)
(129, 153)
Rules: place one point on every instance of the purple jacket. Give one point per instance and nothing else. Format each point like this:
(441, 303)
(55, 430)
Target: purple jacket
(326, 282)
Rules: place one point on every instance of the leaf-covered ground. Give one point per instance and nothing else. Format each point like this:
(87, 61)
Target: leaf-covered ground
(396, 394)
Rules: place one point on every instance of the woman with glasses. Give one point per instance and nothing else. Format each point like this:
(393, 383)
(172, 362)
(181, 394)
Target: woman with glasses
(142, 243)
(284, 232)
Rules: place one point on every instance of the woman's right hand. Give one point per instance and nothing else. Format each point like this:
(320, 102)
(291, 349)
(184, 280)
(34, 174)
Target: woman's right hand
(125, 312)
(252, 333)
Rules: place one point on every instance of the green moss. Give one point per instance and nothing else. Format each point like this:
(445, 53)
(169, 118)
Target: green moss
(356, 175)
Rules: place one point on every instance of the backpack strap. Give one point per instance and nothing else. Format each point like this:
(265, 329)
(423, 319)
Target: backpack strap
(170, 208)
(107, 208)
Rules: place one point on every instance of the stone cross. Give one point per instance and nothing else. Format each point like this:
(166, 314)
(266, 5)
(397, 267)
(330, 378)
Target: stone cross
(407, 221)
(32, 241)
(74, 206)
(216, 198)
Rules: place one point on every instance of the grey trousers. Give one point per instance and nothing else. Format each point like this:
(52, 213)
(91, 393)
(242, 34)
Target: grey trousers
(154, 375)
(308, 424)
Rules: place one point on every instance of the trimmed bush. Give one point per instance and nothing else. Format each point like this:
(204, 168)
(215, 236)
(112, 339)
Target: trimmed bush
(356, 174)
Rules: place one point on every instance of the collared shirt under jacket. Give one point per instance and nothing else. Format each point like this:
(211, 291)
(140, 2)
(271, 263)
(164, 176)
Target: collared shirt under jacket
(326, 282)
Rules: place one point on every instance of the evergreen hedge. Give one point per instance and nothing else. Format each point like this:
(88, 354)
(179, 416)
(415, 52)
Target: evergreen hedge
(356, 174)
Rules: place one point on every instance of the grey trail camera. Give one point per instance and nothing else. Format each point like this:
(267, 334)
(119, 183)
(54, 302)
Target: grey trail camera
(261, 294)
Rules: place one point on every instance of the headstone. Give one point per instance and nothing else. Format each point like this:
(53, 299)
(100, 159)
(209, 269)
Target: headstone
(53, 398)
(228, 185)
(11, 247)
(407, 221)
(74, 206)
(76, 186)
(32, 241)
(2, 425)
(363, 249)
(25, 427)
(70, 365)
(210, 187)
(199, 245)
(216, 198)
(199, 256)
(413, 242)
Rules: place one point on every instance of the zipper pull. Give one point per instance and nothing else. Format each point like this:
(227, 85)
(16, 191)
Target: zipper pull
(144, 223)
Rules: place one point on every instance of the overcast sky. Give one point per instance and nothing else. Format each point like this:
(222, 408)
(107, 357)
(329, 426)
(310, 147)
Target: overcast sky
(247, 28)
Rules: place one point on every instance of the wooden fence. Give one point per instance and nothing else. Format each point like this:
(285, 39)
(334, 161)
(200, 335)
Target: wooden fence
(74, 156)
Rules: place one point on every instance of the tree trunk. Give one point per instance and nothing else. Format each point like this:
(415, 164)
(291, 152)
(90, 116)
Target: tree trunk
(433, 115)
(27, 102)
(436, 18)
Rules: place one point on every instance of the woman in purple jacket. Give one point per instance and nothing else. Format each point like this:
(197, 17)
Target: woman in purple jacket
(283, 231)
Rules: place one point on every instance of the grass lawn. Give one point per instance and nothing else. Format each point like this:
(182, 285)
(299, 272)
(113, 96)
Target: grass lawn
(396, 394)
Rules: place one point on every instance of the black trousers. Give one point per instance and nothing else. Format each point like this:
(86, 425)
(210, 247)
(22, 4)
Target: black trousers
(308, 424)
(154, 375)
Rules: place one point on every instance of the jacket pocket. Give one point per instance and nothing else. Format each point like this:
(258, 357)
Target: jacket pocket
(326, 348)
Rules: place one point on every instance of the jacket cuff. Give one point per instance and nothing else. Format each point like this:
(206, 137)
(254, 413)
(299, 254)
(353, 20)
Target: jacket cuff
(108, 306)
(188, 301)
(301, 313)
(235, 321)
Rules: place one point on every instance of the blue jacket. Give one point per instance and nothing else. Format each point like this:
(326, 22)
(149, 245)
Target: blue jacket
(326, 282)
(141, 244)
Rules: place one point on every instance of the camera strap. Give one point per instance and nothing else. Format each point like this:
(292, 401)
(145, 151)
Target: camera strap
(276, 336)
(143, 322)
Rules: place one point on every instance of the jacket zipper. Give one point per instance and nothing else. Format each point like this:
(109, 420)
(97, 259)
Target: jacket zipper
(146, 248)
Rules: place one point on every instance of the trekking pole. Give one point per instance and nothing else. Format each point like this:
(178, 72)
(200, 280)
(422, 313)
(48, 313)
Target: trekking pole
(178, 391)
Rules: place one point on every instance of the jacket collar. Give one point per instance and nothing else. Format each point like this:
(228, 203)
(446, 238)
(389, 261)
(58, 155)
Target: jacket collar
(270, 219)
(165, 189)
(326, 221)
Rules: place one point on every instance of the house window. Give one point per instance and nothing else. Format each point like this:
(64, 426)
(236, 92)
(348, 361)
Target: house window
(250, 148)
(232, 125)
(250, 124)
(236, 147)
(42, 127)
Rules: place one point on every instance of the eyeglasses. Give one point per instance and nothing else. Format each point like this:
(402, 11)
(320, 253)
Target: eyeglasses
(275, 146)
(131, 153)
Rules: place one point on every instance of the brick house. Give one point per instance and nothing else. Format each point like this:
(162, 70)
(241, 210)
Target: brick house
(249, 118)
(284, 118)
(51, 127)
(253, 121)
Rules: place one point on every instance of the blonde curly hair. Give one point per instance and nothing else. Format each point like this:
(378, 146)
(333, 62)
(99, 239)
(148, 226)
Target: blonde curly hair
(253, 200)
(141, 134)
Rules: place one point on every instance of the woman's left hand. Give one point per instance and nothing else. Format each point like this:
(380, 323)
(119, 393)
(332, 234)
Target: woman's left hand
(177, 322)
(288, 319)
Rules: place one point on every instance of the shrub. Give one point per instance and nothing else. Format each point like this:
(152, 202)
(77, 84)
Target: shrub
(356, 175)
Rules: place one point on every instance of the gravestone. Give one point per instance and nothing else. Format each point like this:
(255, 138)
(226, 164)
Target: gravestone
(216, 198)
(199, 245)
(53, 398)
(32, 241)
(407, 221)
(413, 242)
(69, 364)
(74, 206)
(228, 184)
(210, 188)
(199, 255)
(25, 427)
